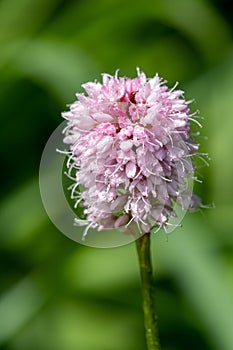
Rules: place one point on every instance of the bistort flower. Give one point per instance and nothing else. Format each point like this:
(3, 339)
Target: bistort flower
(130, 150)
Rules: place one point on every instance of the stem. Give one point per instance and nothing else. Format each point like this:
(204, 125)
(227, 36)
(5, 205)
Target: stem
(150, 320)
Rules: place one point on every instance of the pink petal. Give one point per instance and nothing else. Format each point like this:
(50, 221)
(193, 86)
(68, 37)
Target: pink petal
(122, 220)
(130, 169)
(102, 117)
(126, 145)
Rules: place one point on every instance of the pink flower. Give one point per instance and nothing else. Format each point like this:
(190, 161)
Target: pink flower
(131, 151)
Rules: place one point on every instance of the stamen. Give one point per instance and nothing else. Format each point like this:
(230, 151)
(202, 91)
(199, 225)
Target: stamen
(203, 159)
(164, 178)
(143, 222)
(150, 172)
(195, 121)
(80, 222)
(116, 170)
(173, 225)
(129, 222)
(197, 180)
(153, 144)
(86, 231)
(159, 227)
(169, 136)
(174, 87)
(190, 101)
(69, 176)
(63, 152)
(73, 189)
(138, 174)
(99, 181)
(139, 228)
(77, 202)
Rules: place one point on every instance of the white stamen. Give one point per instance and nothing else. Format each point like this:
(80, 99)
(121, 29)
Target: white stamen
(63, 152)
(174, 87)
(73, 189)
(139, 228)
(138, 174)
(143, 222)
(77, 202)
(69, 176)
(153, 144)
(203, 159)
(129, 222)
(195, 121)
(86, 231)
(197, 180)
(164, 178)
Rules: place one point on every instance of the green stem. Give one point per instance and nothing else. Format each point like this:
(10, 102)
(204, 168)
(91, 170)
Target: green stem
(144, 256)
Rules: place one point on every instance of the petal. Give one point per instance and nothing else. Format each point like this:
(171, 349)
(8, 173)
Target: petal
(102, 117)
(126, 145)
(104, 145)
(130, 169)
(121, 221)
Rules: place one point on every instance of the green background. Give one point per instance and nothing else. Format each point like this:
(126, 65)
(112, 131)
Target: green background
(54, 293)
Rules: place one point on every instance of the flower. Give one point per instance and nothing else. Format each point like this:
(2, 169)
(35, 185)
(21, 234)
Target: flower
(131, 151)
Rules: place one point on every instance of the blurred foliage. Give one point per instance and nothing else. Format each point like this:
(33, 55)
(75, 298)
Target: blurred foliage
(56, 294)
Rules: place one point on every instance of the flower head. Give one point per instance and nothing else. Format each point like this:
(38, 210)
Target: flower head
(131, 151)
